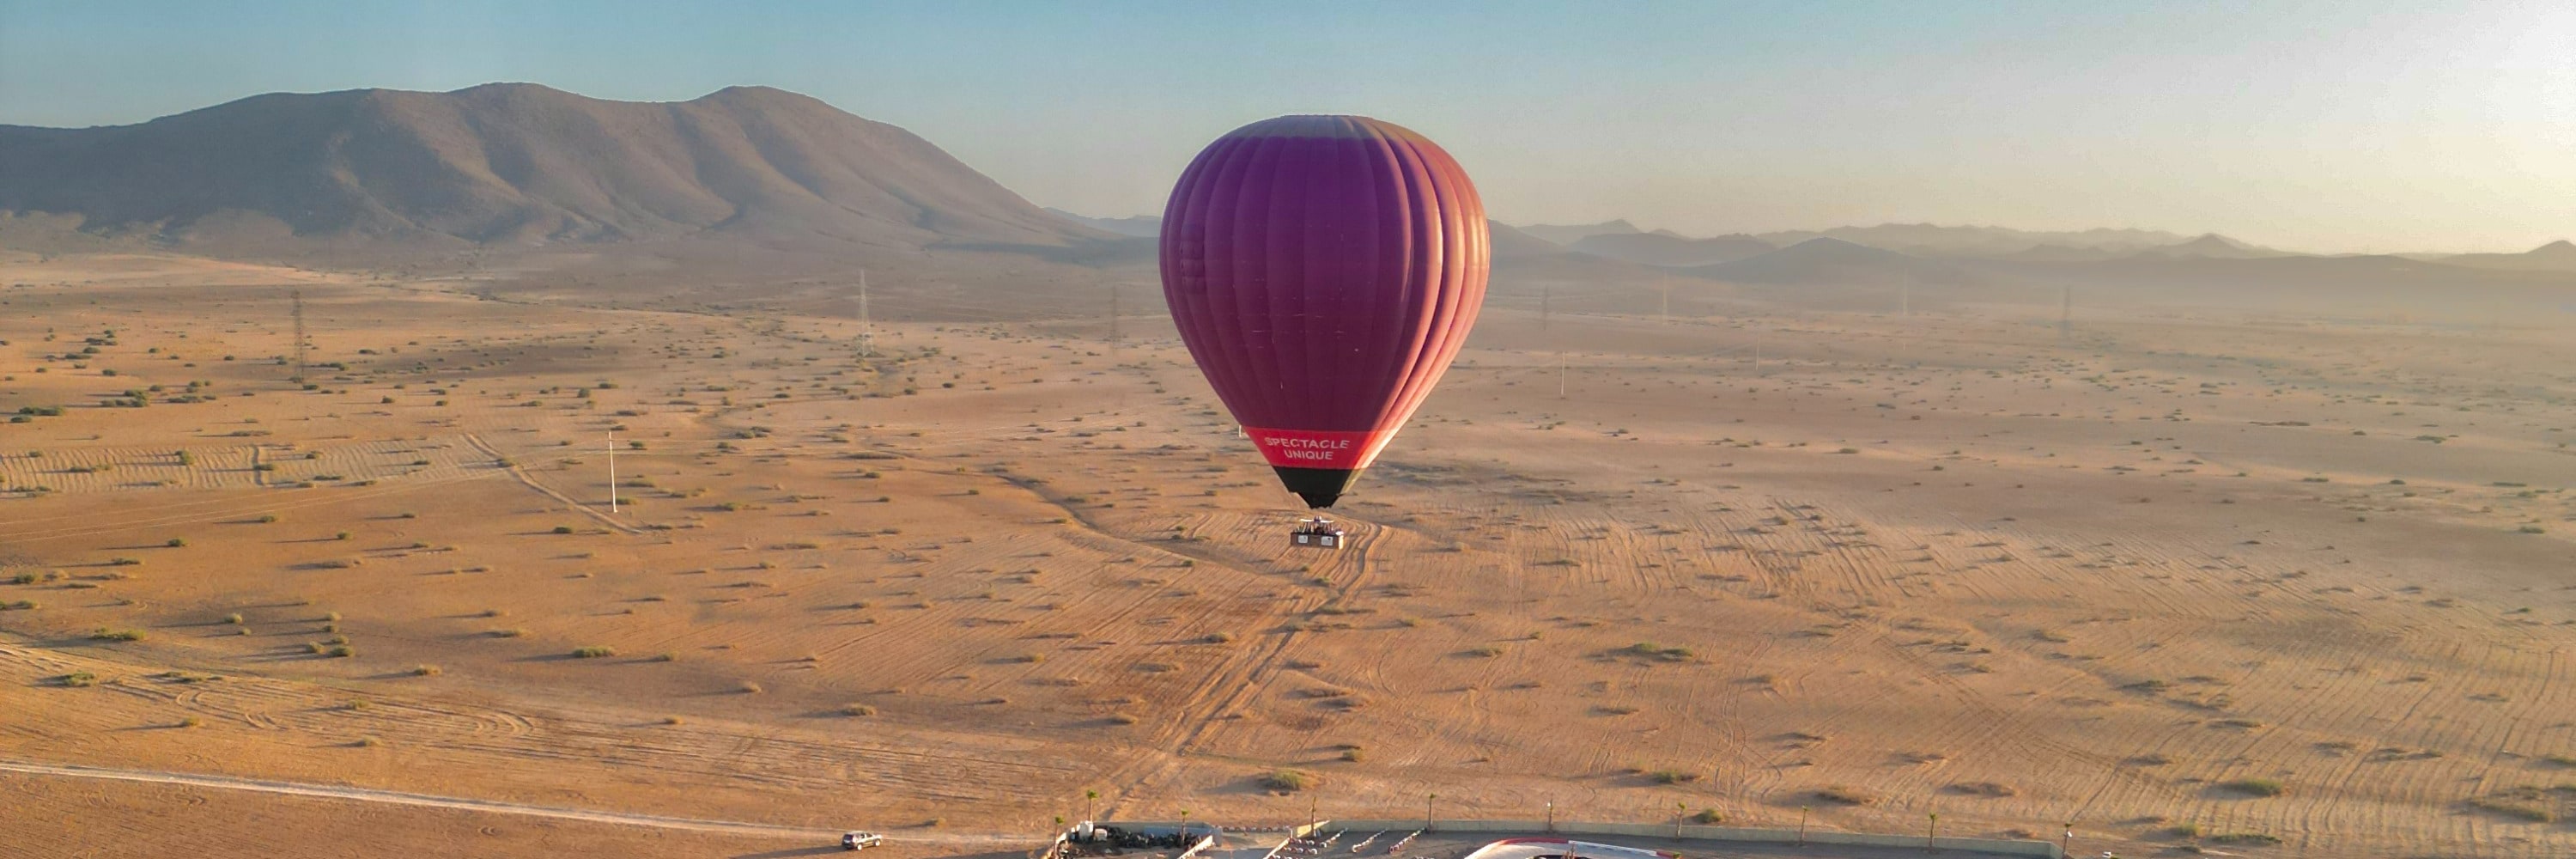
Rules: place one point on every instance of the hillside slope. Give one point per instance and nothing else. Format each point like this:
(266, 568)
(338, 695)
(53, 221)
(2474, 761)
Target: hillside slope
(514, 164)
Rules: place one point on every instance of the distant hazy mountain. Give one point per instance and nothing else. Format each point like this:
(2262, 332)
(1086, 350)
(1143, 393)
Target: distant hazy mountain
(1663, 249)
(1830, 261)
(2211, 246)
(1567, 235)
(1134, 226)
(1937, 240)
(2555, 256)
(515, 164)
(1510, 242)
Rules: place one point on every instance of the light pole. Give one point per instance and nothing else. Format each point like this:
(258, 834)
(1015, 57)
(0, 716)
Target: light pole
(1310, 815)
(1185, 826)
(1929, 829)
(1802, 826)
(1426, 810)
(2066, 842)
(1679, 808)
(1551, 815)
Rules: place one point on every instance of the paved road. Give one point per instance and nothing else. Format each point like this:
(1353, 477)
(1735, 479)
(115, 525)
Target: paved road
(360, 794)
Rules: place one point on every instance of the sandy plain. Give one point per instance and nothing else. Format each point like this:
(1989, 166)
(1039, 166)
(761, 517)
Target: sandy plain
(2255, 583)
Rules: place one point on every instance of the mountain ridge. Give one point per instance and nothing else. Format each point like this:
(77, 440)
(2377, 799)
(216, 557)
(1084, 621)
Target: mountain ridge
(515, 164)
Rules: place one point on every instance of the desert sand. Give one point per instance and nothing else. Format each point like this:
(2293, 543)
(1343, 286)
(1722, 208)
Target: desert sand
(2264, 582)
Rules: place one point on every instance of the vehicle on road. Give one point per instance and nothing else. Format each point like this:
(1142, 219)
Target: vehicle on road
(861, 840)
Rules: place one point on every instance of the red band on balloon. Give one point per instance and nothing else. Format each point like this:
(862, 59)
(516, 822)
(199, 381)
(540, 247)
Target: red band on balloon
(1317, 448)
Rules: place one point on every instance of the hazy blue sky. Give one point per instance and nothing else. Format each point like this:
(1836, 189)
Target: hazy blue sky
(2337, 126)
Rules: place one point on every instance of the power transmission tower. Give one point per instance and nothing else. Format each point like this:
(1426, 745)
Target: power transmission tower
(297, 296)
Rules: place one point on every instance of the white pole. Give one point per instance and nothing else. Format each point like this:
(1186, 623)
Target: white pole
(612, 470)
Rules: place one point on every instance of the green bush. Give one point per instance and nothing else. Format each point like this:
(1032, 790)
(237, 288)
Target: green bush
(2256, 786)
(1288, 780)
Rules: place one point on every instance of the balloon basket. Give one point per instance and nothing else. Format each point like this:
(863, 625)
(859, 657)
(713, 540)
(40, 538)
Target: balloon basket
(1316, 533)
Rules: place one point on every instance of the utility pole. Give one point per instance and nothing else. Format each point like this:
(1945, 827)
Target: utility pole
(612, 469)
(1664, 311)
(297, 296)
(867, 328)
(2066, 312)
(1560, 375)
(1757, 352)
(1546, 298)
(1905, 296)
(1113, 314)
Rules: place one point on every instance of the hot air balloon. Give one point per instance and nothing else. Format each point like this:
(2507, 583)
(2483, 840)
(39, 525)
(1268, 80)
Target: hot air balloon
(1323, 271)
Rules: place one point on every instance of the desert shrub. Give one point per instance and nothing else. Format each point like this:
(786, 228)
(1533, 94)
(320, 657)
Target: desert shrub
(594, 651)
(1847, 795)
(563, 529)
(426, 670)
(1708, 817)
(106, 634)
(2255, 786)
(858, 710)
(1288, 780)
(76, 679)
(177, 542)
(1650, 650)
(1672, 776)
